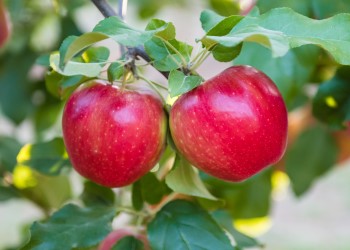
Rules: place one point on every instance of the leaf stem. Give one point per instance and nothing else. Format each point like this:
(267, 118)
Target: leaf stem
(183, 60)
(201, 59)
(153, 85)
(199, 55)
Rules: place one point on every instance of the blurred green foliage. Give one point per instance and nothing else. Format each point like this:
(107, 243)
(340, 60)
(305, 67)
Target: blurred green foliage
(305, 76)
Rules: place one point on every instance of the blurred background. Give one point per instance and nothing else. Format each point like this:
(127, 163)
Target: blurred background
(317, 217)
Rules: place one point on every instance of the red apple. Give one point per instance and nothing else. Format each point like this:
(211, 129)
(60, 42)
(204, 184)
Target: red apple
(113, 137)
(4, 24)
(117, 235)
(233, 125)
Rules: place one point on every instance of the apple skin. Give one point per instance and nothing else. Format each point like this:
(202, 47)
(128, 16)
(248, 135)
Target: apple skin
(113, 137)
(4, 24)
(118, 234)
(233, 125)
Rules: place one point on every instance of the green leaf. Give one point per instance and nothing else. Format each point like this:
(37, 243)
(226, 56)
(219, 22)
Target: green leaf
(15, 95)
(209, 19)
(165, 57)
(252, 33)
(48, 192)
(290, 73)
(48, 112)
(64, 48)
(43, 60)
(224, 219)
(48, 157)
(73, 68)
(248, 199)
(317, 9)
(179, 83)
(128, 243)
(152, 189)
(96, 55)
(114, 28)
(319, 153)
(62, 86)
(73, 45)
(275, 30)
(136, 196)
(7, 193)
(167, 155)
(9, 148)
(322, 8)
(115, 71)
(94, 195)
(300, 6)
(148, 189)
(226, 54)
(167, 31)
(184, 179)
(184, 225)
(223, 27)
(332, 101)
(216, 25)
(71, 227)
(225, 7)
(124, 34)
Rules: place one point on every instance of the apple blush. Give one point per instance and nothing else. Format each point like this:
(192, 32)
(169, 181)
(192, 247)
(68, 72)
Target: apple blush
(233, 125)
(112, 136)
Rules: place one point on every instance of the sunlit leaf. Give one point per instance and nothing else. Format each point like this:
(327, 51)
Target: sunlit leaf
(47, 157)
(96, 55)
(62, 86)
(23, 177)
(73, 68)
(48, 192)
(184, 179)
(253, 227)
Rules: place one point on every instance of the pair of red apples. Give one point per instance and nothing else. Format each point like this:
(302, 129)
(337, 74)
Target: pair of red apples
(231, 127)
